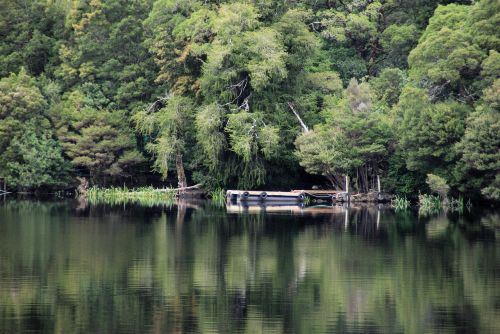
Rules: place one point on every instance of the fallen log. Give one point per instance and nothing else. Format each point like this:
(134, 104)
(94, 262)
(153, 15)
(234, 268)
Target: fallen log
(196, 186)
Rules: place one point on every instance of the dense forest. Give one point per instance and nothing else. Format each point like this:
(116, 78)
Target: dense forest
(252, 94)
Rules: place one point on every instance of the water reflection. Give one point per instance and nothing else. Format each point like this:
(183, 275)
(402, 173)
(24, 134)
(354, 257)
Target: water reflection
(67, 267)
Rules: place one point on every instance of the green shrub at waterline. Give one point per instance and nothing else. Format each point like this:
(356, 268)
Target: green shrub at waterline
(429, 204)
(400, 203)
(218, 196)
(458, 205)
(144, 196)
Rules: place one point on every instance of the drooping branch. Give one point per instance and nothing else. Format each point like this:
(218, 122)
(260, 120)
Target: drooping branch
(304, 126)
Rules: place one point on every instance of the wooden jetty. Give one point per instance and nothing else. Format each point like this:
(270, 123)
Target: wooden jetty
(299, 196)
(295, 196)
(264, 196)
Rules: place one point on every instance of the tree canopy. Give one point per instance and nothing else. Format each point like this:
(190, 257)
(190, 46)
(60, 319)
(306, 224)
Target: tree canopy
(218, 93)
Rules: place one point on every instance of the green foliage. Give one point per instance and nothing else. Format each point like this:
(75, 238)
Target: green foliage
(218, 196)
(438, 185)
(326, 152)
(96, 140)
(30, 157)
(442, 57)
(480, 143)
(248, 135)
(354, 139)
(388, 84)
(267, 58)
(400, 203)
(396, 88)
(30, 34)
(398, 41)
(37, 162)
(209, 133)
(428, 131)
(171, 128)
(453, 65)
(429, 204)
(348, 64)
(145, 196)
(399, 179)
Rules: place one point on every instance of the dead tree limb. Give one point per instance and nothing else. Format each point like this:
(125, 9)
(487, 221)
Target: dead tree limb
(196, 186)
(304, 126)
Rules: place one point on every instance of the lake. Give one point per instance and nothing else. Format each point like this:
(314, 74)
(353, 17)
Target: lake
(71, 267)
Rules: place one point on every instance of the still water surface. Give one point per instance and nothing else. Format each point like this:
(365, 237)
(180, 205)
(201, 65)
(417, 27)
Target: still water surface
(195, 268)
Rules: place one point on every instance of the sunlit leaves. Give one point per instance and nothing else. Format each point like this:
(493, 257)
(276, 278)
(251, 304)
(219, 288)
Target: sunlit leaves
(267, 58)
(233, 19)
(443, 57)
(170, 127)
(209, 132)
(248, 135)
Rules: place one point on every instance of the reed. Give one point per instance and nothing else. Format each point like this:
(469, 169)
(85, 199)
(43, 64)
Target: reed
(400, 203)
(429, 204)
(218, 196)
(307, 200)
(145, 196)
(457, 205)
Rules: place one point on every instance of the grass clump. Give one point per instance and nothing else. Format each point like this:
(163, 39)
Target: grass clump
(457, 205)
(218, 196)
(429, 204)
(145, 196)
(400, 203)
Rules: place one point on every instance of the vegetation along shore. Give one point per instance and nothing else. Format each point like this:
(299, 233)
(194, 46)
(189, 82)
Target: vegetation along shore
(265, 94)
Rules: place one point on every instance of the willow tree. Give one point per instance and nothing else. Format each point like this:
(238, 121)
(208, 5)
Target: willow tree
(169, 124)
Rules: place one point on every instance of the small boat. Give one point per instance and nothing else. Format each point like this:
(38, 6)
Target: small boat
(295, 196)
(264, 196)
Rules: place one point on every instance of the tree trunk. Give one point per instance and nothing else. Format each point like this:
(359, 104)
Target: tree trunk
(83, 187)
(367, 183)
(331, 180)
(335, 181)
(357, 186)
(361, 176)
(181, 175)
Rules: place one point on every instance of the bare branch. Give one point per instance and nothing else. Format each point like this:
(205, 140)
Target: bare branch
(304, 126)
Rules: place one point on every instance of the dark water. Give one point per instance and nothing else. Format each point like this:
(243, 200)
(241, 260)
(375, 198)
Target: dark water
(68, 268)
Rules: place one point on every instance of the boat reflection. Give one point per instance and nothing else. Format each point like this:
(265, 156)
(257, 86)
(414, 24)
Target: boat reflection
(299, 209)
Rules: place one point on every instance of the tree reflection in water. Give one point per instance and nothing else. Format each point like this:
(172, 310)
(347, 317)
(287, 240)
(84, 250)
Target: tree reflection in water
(192, 267)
